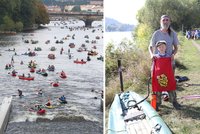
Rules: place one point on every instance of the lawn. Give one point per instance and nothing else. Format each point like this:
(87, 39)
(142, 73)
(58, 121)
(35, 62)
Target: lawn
(186, 120)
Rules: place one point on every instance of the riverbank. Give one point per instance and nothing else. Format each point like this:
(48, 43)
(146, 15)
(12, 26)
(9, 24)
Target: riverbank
(186, 120)
(8, 32)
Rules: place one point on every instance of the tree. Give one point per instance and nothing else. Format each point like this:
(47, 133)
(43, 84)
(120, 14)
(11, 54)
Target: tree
(8, 23)
(41, 16)
(182, 13)
(76, 9)
(19, 26)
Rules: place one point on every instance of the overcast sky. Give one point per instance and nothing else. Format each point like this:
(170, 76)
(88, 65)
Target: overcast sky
(123, 10)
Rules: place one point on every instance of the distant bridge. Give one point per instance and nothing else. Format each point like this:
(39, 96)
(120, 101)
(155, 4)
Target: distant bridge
(88, 17)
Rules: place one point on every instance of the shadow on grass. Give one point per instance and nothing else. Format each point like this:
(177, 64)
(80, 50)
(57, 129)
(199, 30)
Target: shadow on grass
(180, 66)
(180, 88)
(165, 110)
(186, 111)
(191, 111)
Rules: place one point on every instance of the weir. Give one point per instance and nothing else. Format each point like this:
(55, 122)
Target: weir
(5, 109)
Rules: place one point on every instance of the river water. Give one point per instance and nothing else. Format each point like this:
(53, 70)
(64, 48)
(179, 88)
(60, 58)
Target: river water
(82, 87)
(117, 37)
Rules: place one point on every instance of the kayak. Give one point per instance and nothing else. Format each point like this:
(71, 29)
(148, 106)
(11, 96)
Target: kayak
(32, 70)
(62, 101)
(126, 116)
(63, 76)
(55, 84)
(13, 74)
(41, 112)
(49, 107)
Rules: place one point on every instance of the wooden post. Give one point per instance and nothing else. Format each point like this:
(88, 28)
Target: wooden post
(120, 75)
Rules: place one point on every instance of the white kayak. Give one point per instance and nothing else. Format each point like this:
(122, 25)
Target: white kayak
(126, 118)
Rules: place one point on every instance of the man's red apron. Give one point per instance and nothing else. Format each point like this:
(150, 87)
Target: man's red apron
(163, 75)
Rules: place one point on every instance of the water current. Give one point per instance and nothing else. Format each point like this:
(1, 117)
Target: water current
(82, 87)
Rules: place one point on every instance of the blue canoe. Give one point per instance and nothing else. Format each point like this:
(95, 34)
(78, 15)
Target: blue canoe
(142, 119)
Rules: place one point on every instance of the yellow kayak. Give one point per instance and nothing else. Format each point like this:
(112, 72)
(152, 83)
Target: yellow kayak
(49, 107)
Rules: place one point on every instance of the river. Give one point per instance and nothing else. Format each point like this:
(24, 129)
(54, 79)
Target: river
(116, 37)
(82, 87)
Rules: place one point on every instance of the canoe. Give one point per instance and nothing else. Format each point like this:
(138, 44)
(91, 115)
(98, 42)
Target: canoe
(51, 68)
(32, 70)
(63, 75)
(62, 102)
(51, 56)
(71, 45)
(8, 67)
(55, 84)
(25, 78)
(80, 62)
(92, 53)
(13, 74)
(41, 112)
(127, 118)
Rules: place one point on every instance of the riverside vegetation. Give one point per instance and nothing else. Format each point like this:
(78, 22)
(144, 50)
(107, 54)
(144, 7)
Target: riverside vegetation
(136, 64)
(18, 15)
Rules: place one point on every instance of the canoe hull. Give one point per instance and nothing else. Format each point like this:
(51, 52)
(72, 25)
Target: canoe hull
(119, 124)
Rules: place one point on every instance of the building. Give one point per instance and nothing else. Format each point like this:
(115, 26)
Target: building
(53, 9)
(96, 2)
(68, 8)
(91, 8)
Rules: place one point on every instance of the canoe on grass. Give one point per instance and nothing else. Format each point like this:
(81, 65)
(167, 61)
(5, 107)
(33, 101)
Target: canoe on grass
(127, 118)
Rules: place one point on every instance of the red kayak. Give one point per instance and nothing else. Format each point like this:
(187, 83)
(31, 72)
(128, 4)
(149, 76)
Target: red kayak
(63, 75)
(79, 62)
(41, 112)
(32, 70)
(25, 78)
(55, 84)
(13, 74)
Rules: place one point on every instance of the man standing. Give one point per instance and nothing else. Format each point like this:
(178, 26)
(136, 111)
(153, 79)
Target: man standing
(169, 35)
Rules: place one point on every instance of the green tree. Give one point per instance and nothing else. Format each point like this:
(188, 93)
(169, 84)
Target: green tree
(8, 23)
(182, 12)
(19, 26)
(41, 16)
(142, 35)
(76, 8)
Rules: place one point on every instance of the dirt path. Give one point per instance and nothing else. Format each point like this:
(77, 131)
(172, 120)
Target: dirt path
(197, 45)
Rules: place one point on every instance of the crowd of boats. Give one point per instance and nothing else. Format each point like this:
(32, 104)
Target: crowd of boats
(33, 65)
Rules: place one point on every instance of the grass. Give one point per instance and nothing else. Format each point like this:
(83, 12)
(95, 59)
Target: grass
(186, 120)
